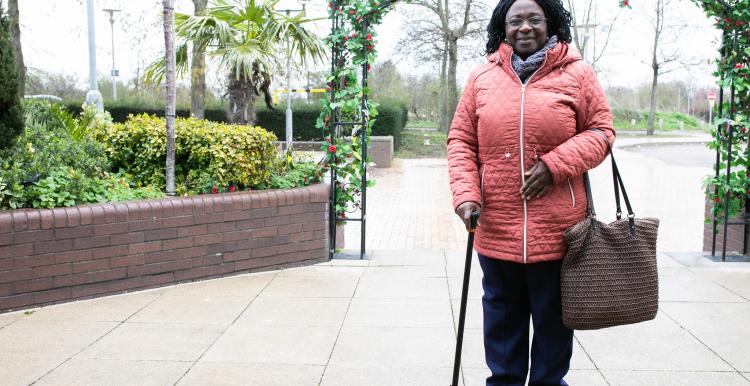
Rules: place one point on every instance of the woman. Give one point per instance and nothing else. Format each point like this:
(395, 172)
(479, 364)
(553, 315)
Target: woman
(529, 124)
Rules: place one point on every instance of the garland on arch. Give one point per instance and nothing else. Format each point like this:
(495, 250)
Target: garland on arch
(355, 41)
(732, 71)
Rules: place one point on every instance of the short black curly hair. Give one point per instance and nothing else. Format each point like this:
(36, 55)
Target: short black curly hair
(558, 22)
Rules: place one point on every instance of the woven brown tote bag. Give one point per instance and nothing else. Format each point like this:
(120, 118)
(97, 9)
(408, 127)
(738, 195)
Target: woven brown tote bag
(609, 275)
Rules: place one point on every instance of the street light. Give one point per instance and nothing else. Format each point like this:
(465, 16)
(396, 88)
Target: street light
(289, 123)
(93, 97)
(114, 72)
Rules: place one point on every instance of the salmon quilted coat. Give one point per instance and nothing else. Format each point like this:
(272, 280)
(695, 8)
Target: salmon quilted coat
(500, 129)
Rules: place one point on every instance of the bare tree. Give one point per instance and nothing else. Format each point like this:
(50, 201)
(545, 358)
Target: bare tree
(15, 35)
(170, 60)
(198, 71)
(662, 61)
(437, 34)
(584, 13)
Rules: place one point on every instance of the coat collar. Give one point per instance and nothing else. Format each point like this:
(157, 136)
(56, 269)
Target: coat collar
(558, 56)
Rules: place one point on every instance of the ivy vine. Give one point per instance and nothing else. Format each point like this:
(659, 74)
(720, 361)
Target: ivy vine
(355, 40)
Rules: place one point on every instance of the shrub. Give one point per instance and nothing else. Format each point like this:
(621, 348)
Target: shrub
(38, 152)
(11, 112)
(65, 186)
(206, 153)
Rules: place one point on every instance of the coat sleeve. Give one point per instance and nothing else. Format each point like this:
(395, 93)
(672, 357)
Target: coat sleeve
(586, 149)
(463, 170)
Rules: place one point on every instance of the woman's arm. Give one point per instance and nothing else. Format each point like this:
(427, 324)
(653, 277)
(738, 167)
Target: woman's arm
(587, 149)
(463, 169)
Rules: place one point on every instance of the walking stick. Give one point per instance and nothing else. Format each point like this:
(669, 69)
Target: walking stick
(464, 295)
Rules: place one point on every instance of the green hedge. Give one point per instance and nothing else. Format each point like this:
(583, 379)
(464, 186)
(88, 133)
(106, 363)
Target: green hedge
(390, 121)
(207, 154)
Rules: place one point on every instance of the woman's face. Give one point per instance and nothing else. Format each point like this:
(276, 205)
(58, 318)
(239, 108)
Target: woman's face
(526, 27)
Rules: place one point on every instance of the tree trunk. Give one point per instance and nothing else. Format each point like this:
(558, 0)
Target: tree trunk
(170, 90)
(655, 65)
(452, 95)
(15, 35)
(443, 124)
(198, 72)
(241, 108)
(652, 110)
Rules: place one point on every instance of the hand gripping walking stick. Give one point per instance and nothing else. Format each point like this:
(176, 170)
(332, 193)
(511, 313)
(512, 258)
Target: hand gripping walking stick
(464, 295)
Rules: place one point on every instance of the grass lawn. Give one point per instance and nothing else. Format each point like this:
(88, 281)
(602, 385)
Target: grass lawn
(413, 144)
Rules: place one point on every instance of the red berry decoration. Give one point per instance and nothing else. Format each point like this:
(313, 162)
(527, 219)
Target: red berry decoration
(717, 200)
(369, 37)
(214, 189)
(354, 35)
(332, 149)
(739, 66)
(352, 12)
(232, 188)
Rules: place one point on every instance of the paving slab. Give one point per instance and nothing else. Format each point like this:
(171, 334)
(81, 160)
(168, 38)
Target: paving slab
(276, 345)
(720, 326)
(311, 287)
(241, 374)
(660, 344)
(735, 279)
(391, 375)
(429, 313)
(683, 285)
(394, 346)
(673, 378)
(248, 285)
(19, 370)
(8, 319)
(43, 338)
(107, 309)
(269, 311)
(155, 341)
(204, 309)
(80, 371)
(402, 287)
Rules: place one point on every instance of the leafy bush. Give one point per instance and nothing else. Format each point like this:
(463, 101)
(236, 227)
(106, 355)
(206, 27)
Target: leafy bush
(40, 149)
(11, 112)
(67, 187)
(206, 153)
(56, 162)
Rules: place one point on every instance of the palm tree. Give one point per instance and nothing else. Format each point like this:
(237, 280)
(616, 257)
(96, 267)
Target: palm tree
(246, 37)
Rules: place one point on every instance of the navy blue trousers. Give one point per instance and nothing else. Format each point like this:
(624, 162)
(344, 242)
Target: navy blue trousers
(513, 293)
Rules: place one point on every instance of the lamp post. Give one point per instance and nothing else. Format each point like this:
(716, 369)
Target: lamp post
(93, 97)
(289, 120)
(114, 72)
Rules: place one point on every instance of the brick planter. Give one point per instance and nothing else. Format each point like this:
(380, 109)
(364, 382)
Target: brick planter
(55, 255)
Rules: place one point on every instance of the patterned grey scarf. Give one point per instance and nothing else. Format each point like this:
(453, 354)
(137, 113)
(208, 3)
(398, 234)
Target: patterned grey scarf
(524, 68)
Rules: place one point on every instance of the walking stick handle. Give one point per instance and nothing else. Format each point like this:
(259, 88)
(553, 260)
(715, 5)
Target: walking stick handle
(474, 220)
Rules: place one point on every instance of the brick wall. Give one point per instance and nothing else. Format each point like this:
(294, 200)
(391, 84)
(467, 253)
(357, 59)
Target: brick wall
(49, 256)
(735, 234)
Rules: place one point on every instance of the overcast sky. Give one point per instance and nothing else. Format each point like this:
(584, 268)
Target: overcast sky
(54, 38)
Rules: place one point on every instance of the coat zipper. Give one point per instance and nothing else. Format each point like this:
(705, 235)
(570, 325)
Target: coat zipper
(523, 178)
(572, 195)
(481, 185)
